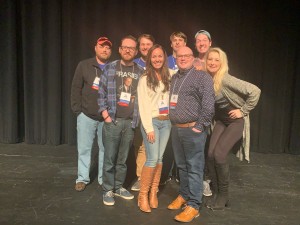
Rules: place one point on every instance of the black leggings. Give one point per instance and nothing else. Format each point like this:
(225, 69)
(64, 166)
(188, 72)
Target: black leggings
(223, 138)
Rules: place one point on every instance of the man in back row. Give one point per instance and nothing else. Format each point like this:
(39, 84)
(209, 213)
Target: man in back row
(178, 39)
(146, 41)
(202, 44)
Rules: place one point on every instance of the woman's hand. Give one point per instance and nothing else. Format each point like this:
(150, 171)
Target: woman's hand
(151, 137)
(235, 114)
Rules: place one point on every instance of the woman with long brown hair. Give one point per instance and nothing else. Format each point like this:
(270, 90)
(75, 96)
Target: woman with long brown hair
(153, 99)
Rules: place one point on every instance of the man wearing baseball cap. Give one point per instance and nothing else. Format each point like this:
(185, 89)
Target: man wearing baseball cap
(202, 44)
(84, 94)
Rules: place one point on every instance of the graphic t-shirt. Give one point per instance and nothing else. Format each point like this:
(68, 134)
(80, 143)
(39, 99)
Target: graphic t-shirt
(126, 81)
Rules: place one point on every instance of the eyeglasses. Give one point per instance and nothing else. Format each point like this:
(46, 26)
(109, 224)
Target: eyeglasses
(125, 48)
(187, 56)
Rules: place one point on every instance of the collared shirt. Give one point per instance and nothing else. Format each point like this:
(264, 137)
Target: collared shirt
(196, 98)
(108, 91)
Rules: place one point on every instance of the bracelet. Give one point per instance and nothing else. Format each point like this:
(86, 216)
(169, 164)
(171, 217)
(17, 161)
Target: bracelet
(105, 117)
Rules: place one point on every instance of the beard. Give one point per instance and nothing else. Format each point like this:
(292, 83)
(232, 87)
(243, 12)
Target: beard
(103, 57)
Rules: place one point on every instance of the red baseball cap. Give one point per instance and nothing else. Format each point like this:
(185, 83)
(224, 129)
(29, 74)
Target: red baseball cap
(103, 41)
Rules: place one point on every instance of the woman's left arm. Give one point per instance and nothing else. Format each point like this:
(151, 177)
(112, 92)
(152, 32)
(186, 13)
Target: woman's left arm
(249, 92)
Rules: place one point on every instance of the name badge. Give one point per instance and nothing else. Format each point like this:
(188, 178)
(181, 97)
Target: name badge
(124, 99)
(96, 83)
(163, 106)
(173, 101)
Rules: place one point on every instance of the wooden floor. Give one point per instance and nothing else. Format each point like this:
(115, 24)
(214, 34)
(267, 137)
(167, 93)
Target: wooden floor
(37, 187)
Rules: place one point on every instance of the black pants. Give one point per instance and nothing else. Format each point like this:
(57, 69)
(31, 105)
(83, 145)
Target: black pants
(223, 139)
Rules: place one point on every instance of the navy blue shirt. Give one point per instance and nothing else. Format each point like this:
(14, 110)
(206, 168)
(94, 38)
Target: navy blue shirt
(196, 98)
(172, 63)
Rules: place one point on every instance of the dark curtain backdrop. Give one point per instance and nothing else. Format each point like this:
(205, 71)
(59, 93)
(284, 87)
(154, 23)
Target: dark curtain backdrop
(42, 42)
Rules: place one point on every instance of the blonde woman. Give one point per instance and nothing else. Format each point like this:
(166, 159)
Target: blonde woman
(153, 99)
(235, 99)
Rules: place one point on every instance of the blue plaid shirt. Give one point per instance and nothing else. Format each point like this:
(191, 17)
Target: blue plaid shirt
(108, 94)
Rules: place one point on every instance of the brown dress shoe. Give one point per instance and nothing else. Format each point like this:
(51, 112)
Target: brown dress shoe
(177, 203)
(80, 186)
(187, 215)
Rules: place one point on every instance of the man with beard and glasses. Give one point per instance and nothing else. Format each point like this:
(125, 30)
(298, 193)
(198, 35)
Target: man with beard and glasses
(120, 112)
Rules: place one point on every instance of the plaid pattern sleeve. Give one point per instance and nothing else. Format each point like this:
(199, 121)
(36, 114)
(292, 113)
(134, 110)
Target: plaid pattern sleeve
(107, 90)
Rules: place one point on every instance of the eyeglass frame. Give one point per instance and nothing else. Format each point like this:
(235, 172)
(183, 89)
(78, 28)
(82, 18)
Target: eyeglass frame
(131, 49)
(186, 56)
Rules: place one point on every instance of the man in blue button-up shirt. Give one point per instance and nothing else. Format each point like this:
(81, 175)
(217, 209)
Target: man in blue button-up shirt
(192, 101)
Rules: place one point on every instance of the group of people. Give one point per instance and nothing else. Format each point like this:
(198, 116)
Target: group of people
(150, 100)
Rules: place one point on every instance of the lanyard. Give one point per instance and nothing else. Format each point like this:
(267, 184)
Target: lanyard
(180, 84)
(96, 72)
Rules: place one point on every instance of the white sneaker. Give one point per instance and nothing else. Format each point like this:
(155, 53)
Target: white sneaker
(206, 188)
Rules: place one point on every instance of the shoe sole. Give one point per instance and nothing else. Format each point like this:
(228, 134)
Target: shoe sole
(127, 198)
(135, 189)
(174, 208)
(189, 220)
(227, 206)
(108, 203)
(207, 195)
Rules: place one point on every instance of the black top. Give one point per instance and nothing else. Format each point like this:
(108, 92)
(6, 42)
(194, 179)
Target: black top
(222, 108)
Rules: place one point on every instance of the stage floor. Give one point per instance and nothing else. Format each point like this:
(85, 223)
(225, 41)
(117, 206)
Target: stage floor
(37, 187)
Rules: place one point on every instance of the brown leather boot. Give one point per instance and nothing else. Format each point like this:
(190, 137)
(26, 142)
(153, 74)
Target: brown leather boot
(146, 180)
(154, 187)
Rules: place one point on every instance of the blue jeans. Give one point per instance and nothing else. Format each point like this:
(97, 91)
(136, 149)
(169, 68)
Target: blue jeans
(188, 147)
(117, 140)
(155, 151)
(86, 129)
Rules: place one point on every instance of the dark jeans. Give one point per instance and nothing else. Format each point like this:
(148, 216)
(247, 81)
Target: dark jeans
(117, 140)
(188, 147)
